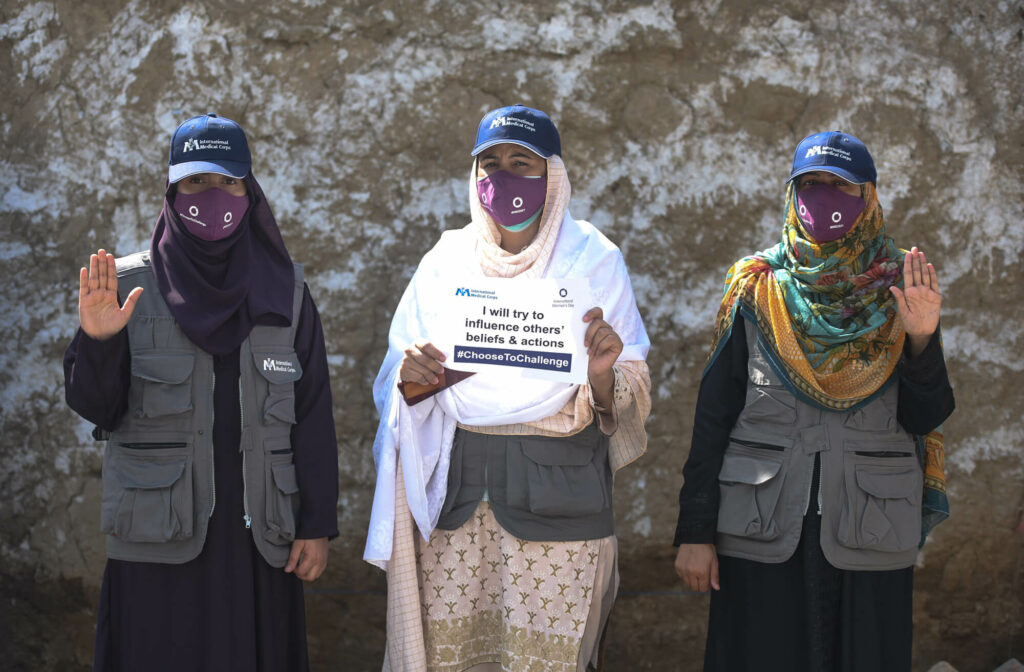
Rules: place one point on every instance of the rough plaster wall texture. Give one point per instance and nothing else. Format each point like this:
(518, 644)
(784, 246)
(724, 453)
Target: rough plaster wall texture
(678, 121)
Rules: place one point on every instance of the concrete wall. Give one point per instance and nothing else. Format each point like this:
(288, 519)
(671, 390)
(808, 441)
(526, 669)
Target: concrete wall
(678, 121)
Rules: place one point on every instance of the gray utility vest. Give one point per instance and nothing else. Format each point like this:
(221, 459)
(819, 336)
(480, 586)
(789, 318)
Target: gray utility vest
(158, 483)
(541, 488)
(871, 479)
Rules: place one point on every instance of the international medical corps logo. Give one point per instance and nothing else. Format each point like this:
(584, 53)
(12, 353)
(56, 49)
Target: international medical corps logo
(513, 121)
(204, 143)
(282, 365)
(818, 150)
(476, 293)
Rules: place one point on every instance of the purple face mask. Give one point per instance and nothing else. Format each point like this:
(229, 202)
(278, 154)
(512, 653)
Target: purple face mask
(827, 213)
(512, 200)
(212, 214)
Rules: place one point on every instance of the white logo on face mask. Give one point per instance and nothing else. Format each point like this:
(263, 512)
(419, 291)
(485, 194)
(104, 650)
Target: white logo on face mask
(517, 202)
(803, 210)
(194, 211)
(227, 218)
(837, 217)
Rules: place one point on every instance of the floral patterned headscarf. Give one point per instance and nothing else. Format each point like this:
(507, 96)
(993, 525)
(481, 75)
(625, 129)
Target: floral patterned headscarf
(824, 309)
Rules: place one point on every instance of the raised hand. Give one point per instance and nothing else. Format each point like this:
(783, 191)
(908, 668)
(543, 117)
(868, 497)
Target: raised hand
(920, 300)
(98, 310)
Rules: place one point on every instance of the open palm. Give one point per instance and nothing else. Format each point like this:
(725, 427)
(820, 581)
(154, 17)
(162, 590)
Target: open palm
(920, 300)
(98, 310)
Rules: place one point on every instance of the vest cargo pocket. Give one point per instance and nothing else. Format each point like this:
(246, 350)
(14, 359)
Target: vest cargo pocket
(563, 477)
(749, 487)
(280, 370)
(882, 502)
(282, 502)
(162, 384)
(147, 497)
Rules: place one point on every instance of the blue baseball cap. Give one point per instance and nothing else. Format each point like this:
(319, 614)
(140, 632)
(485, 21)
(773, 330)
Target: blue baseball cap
(208, 144)
(837, 153)
(519, 125)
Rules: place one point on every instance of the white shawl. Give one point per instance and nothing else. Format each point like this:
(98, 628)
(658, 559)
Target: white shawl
(421, 435)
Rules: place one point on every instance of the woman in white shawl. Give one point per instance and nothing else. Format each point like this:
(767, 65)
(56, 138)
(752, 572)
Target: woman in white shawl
(507, 479)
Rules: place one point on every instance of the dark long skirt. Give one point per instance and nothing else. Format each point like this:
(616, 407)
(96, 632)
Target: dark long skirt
(226, 610)
(804, 615)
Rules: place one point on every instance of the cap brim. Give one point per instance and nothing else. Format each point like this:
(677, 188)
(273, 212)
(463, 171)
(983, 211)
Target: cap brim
(229, 168)
(501, 141)
(845, 174)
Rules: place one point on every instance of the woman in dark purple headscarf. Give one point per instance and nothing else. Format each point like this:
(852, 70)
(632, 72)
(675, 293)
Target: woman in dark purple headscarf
(209, 382)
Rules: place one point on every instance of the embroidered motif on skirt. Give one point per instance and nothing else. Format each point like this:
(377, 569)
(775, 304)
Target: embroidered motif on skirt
(488, 596)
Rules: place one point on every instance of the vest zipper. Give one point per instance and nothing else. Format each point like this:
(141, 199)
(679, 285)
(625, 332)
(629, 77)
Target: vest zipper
(213, 475)
(245, 480)
(815, 471)
(819, 483)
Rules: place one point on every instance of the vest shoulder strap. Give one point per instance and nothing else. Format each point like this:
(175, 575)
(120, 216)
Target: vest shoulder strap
(133, 263)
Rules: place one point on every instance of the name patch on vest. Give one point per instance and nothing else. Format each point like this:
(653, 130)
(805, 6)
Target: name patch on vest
(278, 365)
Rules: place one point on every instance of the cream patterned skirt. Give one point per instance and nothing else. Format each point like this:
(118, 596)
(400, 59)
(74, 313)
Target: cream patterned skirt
(489, 597)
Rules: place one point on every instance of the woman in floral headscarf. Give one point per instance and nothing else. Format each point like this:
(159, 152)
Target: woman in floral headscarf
(816, 465)
(493, 512)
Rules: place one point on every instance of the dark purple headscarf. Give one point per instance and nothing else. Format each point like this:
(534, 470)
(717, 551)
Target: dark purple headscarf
(218, 290)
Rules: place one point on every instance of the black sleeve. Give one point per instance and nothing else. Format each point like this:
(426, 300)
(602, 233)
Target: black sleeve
(313, 437)
(720, 400)
(926, 397)
(96, 378)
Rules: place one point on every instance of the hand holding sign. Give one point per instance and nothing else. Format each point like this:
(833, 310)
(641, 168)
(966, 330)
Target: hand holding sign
(421, 364)
(604, 347)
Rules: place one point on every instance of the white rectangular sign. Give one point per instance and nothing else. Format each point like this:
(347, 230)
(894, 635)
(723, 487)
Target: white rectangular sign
(532, 328)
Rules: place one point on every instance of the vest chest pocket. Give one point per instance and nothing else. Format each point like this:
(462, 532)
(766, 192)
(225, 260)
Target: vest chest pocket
(560, 476)
(769, 406)
(161, 384)
(282, 493)
(882, 500)
(877, 416)
(279, 370)
(147, 491)
(749, 487)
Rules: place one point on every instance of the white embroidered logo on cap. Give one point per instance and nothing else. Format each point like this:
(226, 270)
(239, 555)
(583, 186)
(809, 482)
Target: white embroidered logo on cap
(513, 121)
(818, 150)
(190, 144)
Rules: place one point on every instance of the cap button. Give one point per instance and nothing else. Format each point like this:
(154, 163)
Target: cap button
(210, 114)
